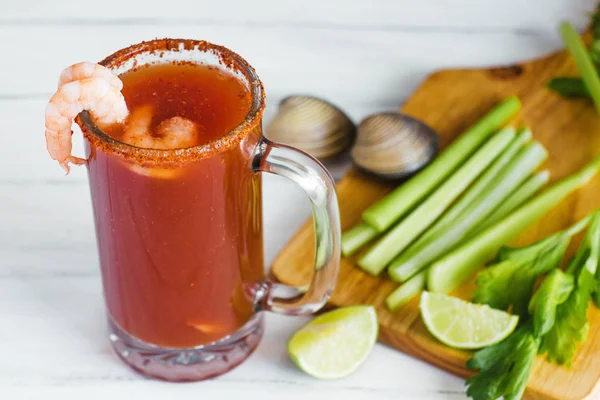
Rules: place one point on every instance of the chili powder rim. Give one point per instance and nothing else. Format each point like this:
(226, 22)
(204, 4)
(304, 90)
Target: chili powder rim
(227, 58)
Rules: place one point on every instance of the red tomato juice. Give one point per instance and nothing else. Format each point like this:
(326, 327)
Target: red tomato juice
(178, 245)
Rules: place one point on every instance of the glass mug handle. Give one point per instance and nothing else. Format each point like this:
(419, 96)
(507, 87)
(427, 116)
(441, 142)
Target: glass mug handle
(316, 182)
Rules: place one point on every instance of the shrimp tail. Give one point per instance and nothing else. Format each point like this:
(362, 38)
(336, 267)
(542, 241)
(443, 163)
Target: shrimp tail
(72, 160)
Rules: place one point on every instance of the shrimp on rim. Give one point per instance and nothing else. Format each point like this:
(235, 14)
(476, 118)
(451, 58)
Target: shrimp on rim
(92, 87)
(83, 70)
(83, 86)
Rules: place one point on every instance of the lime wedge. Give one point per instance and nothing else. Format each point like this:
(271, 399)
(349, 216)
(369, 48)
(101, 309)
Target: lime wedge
(335, 344)
(463, 325)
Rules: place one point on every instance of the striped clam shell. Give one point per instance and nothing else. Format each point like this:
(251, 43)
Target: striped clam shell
(393, 145)
(313, 125)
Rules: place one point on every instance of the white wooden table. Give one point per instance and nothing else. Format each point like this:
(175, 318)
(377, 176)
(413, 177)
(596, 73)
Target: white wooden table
(364, 55)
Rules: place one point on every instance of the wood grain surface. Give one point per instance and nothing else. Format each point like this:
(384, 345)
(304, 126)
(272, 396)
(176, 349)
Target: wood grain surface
(450, 101)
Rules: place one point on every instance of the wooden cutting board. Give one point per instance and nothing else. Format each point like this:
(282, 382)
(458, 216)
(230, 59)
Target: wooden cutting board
(450, 101)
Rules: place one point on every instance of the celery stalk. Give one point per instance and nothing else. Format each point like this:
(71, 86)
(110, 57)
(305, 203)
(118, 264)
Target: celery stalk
(530, 187)
(391, 208)
(520, 169)
(355, 238)
(583, 60)
(397, 239)
(406, 291)
(457, 266)
(474, 193)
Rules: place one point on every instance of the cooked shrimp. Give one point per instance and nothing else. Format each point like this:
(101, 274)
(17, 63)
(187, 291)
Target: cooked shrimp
(176, 132)
(105, 103)
(85, 70)
(173, 133)
(137, 128)
(81, 87)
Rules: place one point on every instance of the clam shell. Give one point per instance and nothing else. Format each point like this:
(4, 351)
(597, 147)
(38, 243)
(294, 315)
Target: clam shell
(393, 145)
(313, 125)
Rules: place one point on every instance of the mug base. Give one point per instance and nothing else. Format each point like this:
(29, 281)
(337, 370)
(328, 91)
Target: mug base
(186, 365)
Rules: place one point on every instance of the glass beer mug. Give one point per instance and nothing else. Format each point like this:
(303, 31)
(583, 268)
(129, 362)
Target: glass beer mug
(180, 234)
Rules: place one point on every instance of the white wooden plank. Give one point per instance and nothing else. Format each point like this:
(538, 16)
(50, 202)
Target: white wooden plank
(357, 65)
(372, 14)
(362, 72)
(56, 339)
(47, 229)
(207, 390)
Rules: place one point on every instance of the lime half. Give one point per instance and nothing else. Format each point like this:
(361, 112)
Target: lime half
(464, 325)
(335, 344)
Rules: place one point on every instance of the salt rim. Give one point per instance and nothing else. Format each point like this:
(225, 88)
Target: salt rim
(178, 50)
